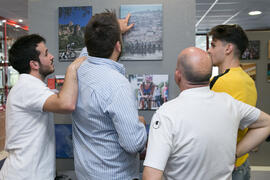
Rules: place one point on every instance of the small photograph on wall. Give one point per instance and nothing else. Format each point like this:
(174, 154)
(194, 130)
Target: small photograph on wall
(72, 22)
(250, 69)
(268, 72)
(144, 40)
(151, 90)
(63, 141)
(253, 51)
(59, 81)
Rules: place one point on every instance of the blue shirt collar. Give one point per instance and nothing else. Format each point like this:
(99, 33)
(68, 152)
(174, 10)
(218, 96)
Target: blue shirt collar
(107, 62)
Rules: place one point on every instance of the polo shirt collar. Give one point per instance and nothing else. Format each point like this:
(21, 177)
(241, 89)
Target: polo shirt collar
(195, 91)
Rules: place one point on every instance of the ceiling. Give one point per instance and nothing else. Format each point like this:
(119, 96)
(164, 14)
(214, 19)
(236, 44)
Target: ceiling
(210, 13)
(14, 10)
(222, 11)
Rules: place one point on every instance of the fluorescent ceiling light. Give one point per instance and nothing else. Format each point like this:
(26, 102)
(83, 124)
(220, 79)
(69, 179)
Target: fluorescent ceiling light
(253, 13)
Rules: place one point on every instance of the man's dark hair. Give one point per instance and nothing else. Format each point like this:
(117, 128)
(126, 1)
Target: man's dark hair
(101, 34)
(23, 51)
(193, 76)
(231, 34)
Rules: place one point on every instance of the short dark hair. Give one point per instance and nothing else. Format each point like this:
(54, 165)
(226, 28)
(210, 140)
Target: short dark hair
(192, 75)
(23, 51)
(101, 34)
(231, 34)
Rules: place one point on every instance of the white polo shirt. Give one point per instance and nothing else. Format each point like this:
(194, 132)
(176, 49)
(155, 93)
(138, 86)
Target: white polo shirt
(193, 136)
(30, 139)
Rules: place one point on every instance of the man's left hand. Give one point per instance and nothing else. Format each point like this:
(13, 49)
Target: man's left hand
(123, 23)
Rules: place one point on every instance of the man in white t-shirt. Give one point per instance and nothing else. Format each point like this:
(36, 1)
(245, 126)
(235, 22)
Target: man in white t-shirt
(30, 139)
(189, 133)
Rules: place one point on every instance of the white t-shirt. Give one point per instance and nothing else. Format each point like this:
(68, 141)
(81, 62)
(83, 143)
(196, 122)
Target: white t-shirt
(30, 139)
(193, 136)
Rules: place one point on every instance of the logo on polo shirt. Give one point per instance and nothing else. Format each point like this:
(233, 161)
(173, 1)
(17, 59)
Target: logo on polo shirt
(156, 124)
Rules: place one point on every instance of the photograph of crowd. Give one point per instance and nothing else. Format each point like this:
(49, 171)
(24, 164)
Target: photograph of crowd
(253, 51)
(151, 90)
(144, 40)
(250, 69)
(72, 22)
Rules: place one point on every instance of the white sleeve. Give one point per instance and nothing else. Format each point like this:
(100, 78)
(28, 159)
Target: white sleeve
(36, 97)
(159, 143)
(248, 114)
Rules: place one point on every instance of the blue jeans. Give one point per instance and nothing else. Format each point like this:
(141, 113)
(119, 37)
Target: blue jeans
(242, 172)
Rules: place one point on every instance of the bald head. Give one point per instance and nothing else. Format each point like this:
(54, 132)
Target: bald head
(195, 65)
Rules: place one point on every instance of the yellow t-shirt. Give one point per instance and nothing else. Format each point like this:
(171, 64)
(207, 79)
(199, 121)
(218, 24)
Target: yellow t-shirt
(237, 83)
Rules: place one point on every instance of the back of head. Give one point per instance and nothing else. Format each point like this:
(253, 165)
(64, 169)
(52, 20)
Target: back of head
(231, 34)
(23, 51)
(195, 65)
(101, 34)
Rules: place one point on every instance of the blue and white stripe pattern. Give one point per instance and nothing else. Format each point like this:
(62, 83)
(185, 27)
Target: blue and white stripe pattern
(107, 134)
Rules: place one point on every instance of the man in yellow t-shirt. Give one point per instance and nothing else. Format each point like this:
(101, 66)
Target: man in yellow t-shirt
(228, 44)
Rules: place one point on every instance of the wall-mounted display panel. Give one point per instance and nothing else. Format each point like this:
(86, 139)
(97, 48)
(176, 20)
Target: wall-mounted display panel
(72, 22)
(151, 90)
(144, 40)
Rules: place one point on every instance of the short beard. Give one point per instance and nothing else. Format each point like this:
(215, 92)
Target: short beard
(43, 72)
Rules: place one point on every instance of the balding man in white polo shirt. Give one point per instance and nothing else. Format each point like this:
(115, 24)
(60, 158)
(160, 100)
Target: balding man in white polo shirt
(189, 133)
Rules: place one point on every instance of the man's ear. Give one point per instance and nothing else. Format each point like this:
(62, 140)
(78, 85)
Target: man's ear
(177, 76)
(229, 48)
(34, 65)
(118, 46)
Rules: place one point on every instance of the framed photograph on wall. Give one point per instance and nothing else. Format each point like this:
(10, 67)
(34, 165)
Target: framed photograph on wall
(253, 51)
(144, 40)
(151, 90)
(72, 22)
(250, 69)
(63, 141)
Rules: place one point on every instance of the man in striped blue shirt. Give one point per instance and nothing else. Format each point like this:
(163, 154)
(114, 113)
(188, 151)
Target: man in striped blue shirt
(107, 132)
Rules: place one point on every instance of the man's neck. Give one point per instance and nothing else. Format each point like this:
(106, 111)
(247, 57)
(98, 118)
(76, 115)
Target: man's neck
(114, 56)
(229, 62)
(37, 75)
(188, 85)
